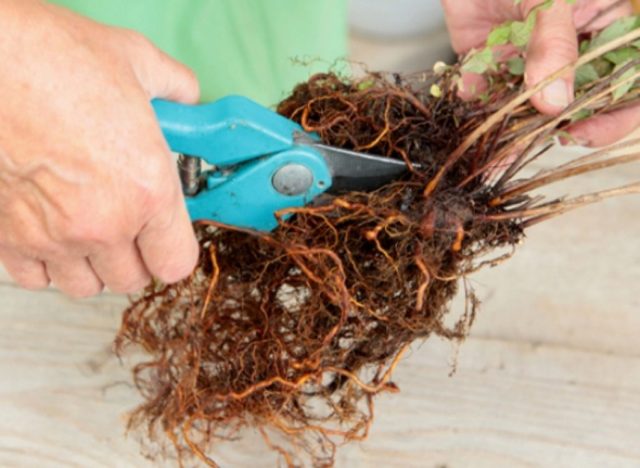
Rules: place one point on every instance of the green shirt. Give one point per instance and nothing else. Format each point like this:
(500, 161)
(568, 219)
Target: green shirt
(247, 47)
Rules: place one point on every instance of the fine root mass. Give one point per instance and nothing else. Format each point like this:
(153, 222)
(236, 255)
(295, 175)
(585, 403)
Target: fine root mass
(295, 332)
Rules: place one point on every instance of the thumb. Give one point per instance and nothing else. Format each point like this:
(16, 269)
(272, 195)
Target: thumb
(553, 45)
(162, 76)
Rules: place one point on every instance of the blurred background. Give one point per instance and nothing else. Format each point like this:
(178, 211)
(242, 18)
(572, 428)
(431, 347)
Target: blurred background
(399, 35)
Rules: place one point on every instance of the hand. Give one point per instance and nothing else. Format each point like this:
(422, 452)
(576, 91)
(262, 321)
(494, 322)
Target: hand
(553, 45)
(89, 193)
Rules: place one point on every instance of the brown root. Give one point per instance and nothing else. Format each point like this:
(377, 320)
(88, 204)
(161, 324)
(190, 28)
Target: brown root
(296, 331)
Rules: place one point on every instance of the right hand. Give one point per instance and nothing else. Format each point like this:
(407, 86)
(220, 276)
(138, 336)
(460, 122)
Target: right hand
(89, 192)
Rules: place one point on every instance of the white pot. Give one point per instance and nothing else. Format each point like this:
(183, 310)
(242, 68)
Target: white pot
(395, 19)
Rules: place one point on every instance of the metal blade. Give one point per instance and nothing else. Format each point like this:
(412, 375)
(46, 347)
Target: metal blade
(360, 172)
(356, 172)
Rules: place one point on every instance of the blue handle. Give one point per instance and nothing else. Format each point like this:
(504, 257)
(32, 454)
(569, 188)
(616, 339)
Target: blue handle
(231, 130)
(248, 199)
(236, 130)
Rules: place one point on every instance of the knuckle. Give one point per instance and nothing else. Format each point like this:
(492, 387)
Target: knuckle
(82, 290)
(27, 275)
(20, 232)
(89, 229)
(192, 78)
(130, 286)
(555, 40)
(38, 245)
(30, 283)
(97, 234)
(174, 272)
(78, 233)
(158, 169)
(160, 187)
(136, 40)
(563, 45)
(141, 48)
(192, 83)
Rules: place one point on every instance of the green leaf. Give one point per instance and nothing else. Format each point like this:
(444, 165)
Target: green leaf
(602, 66)
(500, 35)
(565, 135)
(436, 92)
(480, 61)
(582, 114)
(364, 85)
(546, 5)
(584, 46)
(615, 30)
(516, 66)
(586, 74)
(623, 89)
(521, 30)
(521, 33)
(623, 55)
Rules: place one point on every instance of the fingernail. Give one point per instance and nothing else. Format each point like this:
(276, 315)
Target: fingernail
(581, 141)
(564, 141)
(557, 94)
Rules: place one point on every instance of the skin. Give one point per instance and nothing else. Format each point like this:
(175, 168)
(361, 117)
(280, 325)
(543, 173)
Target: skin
(553, 45)
(89, 193)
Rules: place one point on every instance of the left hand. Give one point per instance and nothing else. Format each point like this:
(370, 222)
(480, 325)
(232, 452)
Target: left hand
(553, 45)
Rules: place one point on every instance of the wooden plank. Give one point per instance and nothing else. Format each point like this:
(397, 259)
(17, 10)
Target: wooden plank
(511, 403)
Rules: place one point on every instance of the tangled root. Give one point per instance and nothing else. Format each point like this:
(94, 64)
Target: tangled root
(294, 332)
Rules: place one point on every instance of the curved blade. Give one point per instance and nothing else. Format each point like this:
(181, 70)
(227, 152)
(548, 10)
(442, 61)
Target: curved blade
(359, 172)
(356, 172)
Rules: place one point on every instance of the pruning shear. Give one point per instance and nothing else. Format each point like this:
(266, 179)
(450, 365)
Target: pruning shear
(258, 162)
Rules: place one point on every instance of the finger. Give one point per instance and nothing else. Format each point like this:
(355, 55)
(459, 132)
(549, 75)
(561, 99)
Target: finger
(121, 269)
(168, 245)
(606, 129)
(472, 86)
(462, 37)
(553, 45)
(26, 272)
(173, 80)
(74, 277)
(469, 23)
(162, 76)
(594, 15)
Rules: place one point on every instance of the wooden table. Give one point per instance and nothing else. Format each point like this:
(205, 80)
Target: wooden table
(549, 377)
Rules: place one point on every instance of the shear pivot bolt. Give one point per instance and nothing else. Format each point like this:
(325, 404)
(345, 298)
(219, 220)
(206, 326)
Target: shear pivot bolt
(293, 179)
(190, 171)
